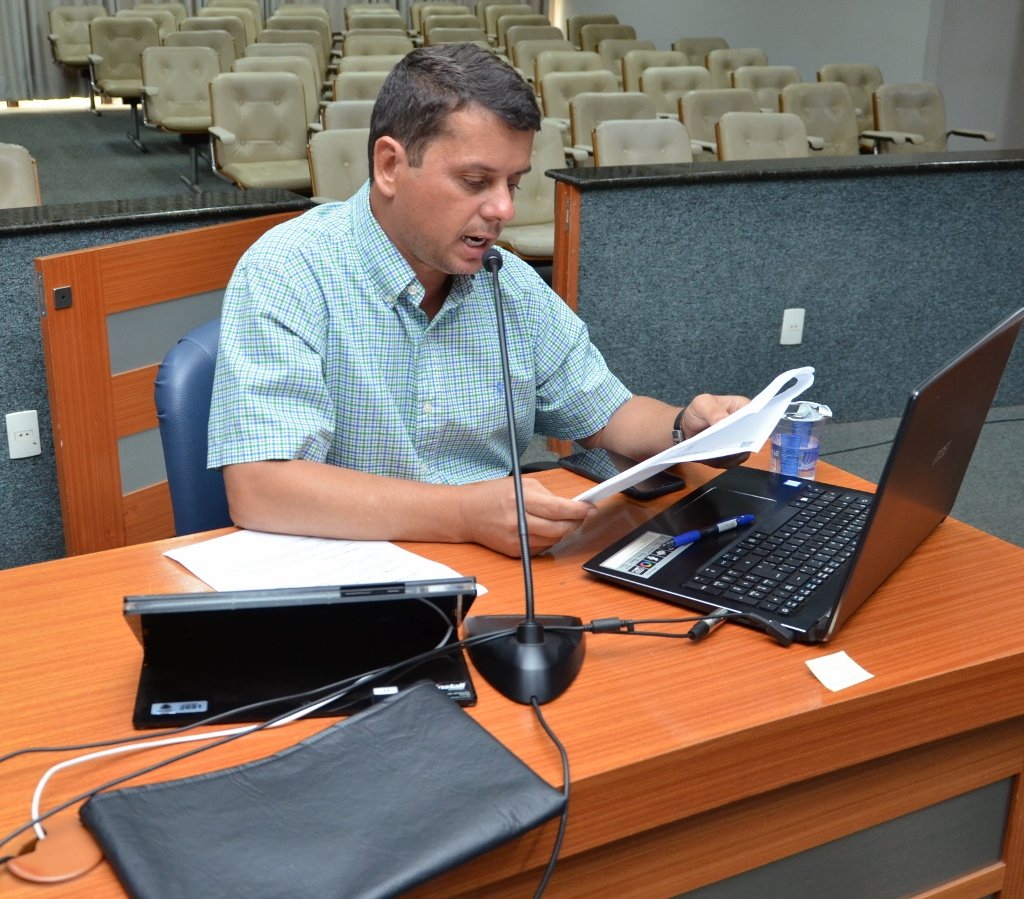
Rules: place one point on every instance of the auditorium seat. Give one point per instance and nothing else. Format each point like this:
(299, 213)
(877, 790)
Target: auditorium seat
(918, 109)
(697, 49)
(338, 162)
(722, 63)
(862, 80)
(19, 178)
(760, 135)
(667, 85)
(636, 61)
(767, 82)
(641, 142)
(700, 110)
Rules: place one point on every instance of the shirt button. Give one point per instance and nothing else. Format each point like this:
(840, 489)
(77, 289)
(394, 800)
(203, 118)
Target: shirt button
(428, 407)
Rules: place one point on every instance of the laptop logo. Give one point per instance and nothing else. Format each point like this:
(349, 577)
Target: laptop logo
(941, 453)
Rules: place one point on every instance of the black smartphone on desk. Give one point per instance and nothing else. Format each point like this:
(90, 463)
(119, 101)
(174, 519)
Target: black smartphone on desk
(601, 464)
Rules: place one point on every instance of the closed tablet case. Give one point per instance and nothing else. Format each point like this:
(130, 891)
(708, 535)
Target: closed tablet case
(372, 806)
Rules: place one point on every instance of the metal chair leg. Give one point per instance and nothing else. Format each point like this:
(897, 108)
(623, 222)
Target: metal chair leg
(133, 135)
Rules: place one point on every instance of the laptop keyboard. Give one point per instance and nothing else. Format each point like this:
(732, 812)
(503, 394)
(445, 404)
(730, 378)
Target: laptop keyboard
(776, 571)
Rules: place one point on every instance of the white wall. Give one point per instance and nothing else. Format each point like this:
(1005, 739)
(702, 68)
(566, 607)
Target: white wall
(971, 48)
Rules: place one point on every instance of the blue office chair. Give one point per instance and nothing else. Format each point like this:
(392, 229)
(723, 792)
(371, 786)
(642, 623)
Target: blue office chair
(183, 387)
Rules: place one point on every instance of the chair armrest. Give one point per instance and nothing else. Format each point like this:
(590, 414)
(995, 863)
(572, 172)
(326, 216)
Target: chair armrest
(52, 38)
(562, 124)
(576, 155)
(698, 145)
(972, 132)
(94, 59)
(895, 137)
(315, 126)
(815, 143)
(222, 134)
(150, 90)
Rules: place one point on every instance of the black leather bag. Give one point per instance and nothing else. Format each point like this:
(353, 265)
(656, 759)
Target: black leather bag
(371, 806)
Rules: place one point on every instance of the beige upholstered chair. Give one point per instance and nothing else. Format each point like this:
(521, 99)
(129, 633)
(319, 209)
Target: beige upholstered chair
(558, 88)
(916, 109)
(862, 80)
(430, 19)
(667, 84)
(258, 135)
(826, 109)
(69, 38)
(495, 11)
(700, 110)
(254, 6)
(531, 233)
(338, 163)
(176, 95)
(592, 35)
(641, 142)
(376, 45)
(473, 35)
(297, 65)
(696, 49)
(357, 9)
(368, 63)
(588, 109)
(416, 12)
(291, 22)
(518, 33)
(574, 24)
(383, 17)
(516, 19)
(767, 82)
(298, 36)
(115, 61)
(165, 22)
(612, 50)
(563, 60)
(231, 24)
(178, 10)
(347, 114)
(760, 135)
(243, 13)
(635, 62)
(722, 63)
(19, 178)
(219, 41)
(357, 85)
(525, 53)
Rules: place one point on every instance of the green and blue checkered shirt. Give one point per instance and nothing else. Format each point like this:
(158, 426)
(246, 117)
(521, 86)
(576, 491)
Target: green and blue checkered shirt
(325, 355)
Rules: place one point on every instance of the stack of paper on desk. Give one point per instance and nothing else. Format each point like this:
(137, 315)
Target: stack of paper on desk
(745, 431)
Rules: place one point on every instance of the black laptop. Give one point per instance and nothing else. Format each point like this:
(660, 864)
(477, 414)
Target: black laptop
(815, 552)
(213, 653)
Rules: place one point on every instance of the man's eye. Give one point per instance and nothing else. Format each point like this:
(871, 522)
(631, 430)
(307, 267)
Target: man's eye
(474, 184)
(512, 188)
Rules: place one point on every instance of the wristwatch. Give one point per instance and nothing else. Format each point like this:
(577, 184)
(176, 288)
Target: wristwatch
(677, 427)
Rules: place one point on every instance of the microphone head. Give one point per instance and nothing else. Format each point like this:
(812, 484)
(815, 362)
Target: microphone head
(492, 259)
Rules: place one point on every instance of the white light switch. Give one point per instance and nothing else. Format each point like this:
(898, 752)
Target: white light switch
(792, 327)
(23, 434)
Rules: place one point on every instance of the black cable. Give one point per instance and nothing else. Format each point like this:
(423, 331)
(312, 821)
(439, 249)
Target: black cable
(556, 849)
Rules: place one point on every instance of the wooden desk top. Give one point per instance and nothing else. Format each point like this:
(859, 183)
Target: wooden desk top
(655, 729)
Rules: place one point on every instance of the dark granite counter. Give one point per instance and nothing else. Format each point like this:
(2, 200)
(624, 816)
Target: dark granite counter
(808, 168)
(187, 208)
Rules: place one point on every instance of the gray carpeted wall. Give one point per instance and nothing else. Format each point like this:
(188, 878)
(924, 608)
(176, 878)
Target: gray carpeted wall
(683, 285)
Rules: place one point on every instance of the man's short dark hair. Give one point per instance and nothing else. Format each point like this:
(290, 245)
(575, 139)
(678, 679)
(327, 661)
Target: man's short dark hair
(430, 83)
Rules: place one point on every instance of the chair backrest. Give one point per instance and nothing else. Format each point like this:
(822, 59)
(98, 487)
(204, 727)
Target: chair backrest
(182, 392)
(254, 6)
(231, 24)
(516, 19)
(370, 63)
(298, 65)
(265, 113)
(592, 35)
(416, 11)
(641, 142)
(862, 80)
(165, 22)
(338, 162)
(697, 49)
(518, 33)
(535, 199)
(722, 63)
(667, 84)
(700, 110)
(347, 114)
(613, 49)
(766, 81)
(495, 11)
(918, 108)
(239, 12)
(177, 10)
(586, 110)
(636, 61)
(297, 36)
(69, 33)
(574, 24)
(564, 60)
(472, 35)
(761, 135)
(384, 17)
(177, 86)
(118, 41)
(219, 41)
(432, 19)
(376, 45)
(525, 53)
(357, 85)
(826, 108)
(558, 88)
(19, 178)
(293, 22)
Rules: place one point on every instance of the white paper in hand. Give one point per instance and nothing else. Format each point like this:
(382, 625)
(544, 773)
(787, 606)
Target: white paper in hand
(745, 431)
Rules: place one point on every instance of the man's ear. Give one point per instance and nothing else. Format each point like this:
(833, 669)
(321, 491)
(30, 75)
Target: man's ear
(388, 160)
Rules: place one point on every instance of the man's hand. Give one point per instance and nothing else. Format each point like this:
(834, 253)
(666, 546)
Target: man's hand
(489, 510)
(707, 409)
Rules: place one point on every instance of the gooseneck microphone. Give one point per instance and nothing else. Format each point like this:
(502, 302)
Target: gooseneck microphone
(531, 657)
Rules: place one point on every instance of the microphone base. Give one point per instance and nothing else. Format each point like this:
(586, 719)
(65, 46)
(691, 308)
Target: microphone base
(523, 670)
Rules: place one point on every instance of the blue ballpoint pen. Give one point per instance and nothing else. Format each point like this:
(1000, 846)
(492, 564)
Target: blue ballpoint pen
(710, 531)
